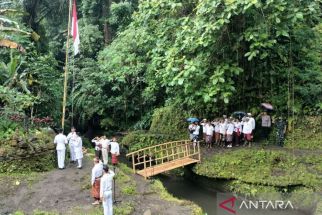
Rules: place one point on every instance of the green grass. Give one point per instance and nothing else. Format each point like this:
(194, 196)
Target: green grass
(129, 189)
(264, 168)
(304, 139)
(37, 212)
(306, 135)
(124, 209)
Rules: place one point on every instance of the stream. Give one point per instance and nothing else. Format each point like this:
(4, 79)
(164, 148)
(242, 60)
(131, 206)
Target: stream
(184, 188)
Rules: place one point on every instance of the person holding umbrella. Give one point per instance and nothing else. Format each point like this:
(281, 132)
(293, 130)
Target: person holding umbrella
(266, 124)
(192, 127)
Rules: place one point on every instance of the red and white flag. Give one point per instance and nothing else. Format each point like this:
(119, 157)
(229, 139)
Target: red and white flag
(75, 32)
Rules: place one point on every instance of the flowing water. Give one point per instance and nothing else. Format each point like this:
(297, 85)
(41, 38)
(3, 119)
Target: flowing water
(183, 188)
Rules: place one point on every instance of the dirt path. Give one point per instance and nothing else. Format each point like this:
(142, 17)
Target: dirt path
(63, 191)
(58, 190)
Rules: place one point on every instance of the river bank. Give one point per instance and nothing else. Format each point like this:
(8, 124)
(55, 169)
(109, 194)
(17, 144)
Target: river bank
(251, 173)
(68, 192)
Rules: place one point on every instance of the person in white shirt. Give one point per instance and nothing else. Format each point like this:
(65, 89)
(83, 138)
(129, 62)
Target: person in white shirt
(60, 141)
(196, 132)
(209, 131)
(229, 133)
(71, 138)
(97, 173)
(115, 151)
(237, 131)
(98, 147)
(252, 121)
(222, 131)
(247, 131)
(78, 150)
(217, 132)
(191, 129)
(202, 126)
(106, 190)
(105, 148)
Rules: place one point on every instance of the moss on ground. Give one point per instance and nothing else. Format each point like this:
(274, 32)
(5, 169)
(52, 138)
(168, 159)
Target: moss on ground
(251, 169)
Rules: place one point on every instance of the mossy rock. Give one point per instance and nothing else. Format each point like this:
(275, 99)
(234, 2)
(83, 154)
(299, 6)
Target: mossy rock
(41, 163)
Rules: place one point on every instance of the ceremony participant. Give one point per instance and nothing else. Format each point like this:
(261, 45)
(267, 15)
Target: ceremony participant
(97, 173)
(252, 122)
(78, 149)
(106, 190)
(196, 132)
(191, 129)
(237, 131)
(247, 131)
(202, 126)
(71, 138)
(222, 131)
(209, 131)
(229, 133)
(217, 132)
(60, 141)
(115, 151)
(98, 147)
(266, 124)
(105, 148)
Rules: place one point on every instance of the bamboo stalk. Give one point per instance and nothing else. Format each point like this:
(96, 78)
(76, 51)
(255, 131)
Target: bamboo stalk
(66, 67)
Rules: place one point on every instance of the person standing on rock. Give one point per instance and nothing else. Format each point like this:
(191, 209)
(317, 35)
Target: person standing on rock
(60, 141)
(106, 190)
(115, 151)
(71, 137)
(78, 150)
(97, 173)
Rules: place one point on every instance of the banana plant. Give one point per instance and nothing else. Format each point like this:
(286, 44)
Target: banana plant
(13, 78)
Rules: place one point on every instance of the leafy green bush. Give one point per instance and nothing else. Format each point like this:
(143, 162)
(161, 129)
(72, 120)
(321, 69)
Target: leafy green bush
(139, 139)
(169, 120)
(306, 135)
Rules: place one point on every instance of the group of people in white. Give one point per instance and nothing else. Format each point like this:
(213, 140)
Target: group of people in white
(75, 144)
(223, 131)
(102, 176)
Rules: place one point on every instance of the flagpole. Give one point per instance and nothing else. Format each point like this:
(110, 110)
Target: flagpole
(66, 67)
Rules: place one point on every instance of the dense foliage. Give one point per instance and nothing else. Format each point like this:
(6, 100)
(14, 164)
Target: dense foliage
(208, 57)
(213, 56)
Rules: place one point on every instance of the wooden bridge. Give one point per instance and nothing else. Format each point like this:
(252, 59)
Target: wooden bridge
(160, 158)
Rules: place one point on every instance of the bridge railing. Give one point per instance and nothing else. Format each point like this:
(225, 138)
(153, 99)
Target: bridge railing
(162, 153)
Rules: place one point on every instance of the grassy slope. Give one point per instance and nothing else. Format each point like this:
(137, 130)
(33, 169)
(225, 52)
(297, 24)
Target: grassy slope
(265, 167)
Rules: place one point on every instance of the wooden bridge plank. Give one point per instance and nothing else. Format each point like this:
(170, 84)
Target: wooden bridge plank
(154, 170)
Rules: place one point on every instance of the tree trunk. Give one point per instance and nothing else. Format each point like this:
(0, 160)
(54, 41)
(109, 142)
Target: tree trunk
(107, 29)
